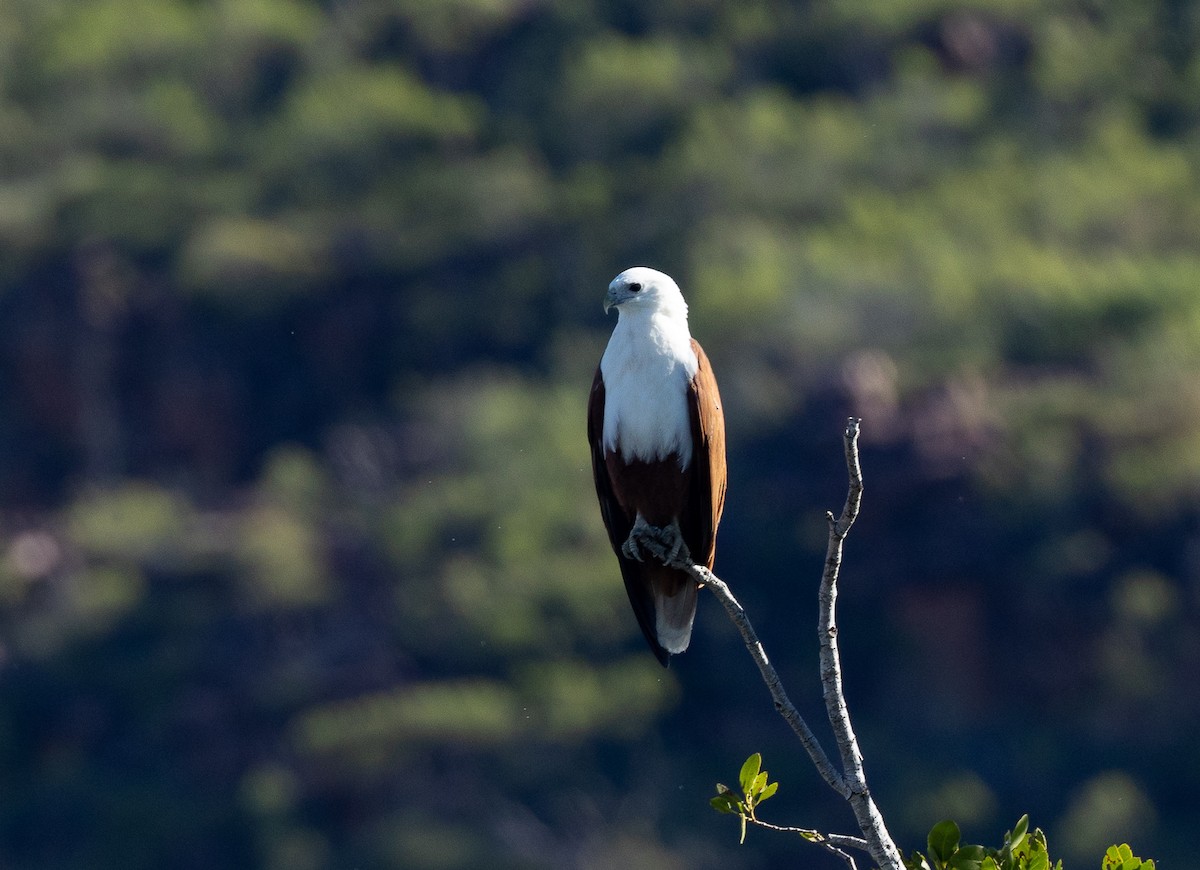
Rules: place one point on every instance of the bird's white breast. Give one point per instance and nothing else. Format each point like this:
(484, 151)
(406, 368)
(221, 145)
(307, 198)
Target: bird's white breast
(647, 367)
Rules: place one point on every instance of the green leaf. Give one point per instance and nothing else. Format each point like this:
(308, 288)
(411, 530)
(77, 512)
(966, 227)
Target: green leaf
(916, 861)
(726, 800)
(1020, 829)
(1119, 853)
(768, 791)
(1016, 843)
(1038, 861)
(750, 772)
(943, 840)
(1122, 858)
(723, 804)
(743, 839)
(968, 858)
(760, 783)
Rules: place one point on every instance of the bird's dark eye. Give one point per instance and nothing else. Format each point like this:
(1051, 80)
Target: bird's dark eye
(635, 287)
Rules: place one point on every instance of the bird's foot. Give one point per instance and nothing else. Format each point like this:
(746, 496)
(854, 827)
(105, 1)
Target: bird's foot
(636, 546)
(664, 543)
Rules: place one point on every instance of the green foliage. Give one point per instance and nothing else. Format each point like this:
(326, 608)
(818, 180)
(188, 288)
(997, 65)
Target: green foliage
(1022, 850)
(281, 557)
(754, 789)
(466, 712)
(337, 114)
(1122, 858)
(135, 522)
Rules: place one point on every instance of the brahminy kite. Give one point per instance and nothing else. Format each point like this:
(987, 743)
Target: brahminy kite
(657, 437)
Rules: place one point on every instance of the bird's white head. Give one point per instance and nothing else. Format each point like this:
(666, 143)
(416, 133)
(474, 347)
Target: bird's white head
(645, 290)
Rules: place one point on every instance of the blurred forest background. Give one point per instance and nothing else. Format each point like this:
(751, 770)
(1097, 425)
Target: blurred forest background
(300, 301)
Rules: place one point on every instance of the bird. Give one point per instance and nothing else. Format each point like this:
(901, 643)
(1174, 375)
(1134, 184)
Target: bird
(657, 437)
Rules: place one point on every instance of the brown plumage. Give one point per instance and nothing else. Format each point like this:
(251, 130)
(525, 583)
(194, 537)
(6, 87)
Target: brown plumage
(684, 485)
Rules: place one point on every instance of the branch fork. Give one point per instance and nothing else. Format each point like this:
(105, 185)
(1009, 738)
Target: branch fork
(850, 780)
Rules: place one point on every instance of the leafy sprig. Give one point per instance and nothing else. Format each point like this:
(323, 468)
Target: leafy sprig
(755, 789)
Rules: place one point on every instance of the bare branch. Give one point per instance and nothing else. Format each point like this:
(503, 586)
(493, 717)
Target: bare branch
(783, 704)
(851, 782)
(870, 821)
(854, 470)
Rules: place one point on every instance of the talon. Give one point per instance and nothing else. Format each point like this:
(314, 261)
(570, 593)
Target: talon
(650, 541)
(631, 549)
(675, 550)
(679, 552)
(639, 540)
(680, 558)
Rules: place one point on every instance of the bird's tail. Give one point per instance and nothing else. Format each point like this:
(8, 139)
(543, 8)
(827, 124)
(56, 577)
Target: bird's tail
(664, 601)
(674, 608)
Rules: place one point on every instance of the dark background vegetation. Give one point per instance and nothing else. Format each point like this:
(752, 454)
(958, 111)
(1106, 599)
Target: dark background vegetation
(300, 564)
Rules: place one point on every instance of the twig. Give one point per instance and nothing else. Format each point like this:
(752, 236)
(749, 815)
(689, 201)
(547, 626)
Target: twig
(835, 843)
